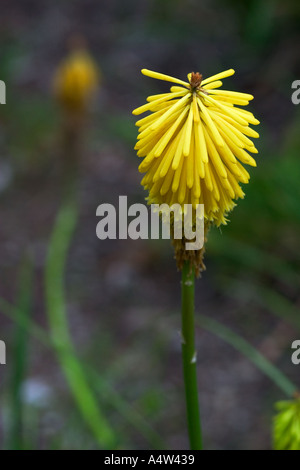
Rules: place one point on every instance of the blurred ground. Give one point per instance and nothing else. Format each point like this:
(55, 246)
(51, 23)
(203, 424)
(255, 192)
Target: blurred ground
(124, 295)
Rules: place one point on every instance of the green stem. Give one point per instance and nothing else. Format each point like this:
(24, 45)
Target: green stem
(60, 335)
(189, 357)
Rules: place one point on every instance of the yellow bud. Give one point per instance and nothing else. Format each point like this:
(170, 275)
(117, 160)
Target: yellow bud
(76, 80)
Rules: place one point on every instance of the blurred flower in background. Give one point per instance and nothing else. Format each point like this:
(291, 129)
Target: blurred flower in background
(77, 78)
(75, 84)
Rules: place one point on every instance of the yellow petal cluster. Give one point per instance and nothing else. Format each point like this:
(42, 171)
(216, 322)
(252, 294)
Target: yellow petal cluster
(75, 80)
(194, 143)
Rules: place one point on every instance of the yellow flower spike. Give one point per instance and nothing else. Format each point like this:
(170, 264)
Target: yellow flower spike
(194, 143)
(76, 79)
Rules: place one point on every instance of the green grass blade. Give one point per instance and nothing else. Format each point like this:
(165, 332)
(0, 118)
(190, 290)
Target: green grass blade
(268, 298)
(241, 345)
(257, 259)
(105, 389)
(71, 366)
(132, 416)
(19, 356)
(16, 315)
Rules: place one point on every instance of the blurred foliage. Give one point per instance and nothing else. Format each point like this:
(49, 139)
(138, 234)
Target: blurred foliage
(20, 355)
(262, 238)
(286, 435)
